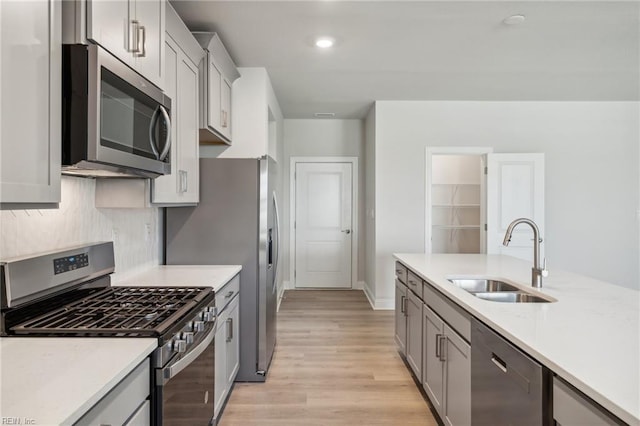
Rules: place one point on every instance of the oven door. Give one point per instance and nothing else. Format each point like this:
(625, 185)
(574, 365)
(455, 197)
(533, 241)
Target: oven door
(184, 388)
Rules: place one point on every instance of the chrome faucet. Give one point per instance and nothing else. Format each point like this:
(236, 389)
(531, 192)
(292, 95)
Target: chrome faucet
(538, 271)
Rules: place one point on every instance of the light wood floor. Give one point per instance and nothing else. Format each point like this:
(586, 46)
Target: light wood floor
(335, 364)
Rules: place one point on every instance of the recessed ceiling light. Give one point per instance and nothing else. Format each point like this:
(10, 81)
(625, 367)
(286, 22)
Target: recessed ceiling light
(325, 114)
(514, 20)
(325, 42)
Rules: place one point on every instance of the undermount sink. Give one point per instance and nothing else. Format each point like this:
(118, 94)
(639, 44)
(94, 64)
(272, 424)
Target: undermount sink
(496, 290)
(482, 285)
(511, 297)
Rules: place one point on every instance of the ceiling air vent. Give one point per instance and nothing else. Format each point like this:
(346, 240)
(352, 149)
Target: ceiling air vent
(325, 114)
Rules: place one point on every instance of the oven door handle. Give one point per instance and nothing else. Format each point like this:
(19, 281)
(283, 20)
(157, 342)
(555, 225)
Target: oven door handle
(172, 370)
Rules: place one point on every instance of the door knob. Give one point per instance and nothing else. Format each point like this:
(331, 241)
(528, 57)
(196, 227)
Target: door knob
(346, 231)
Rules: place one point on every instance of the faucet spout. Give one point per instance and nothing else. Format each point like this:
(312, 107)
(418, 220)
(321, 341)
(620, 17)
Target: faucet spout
(538, 271)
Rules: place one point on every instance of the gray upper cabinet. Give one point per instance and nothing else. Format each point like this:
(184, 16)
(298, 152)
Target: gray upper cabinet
(30, 149)
(131, 30)
(217, 74)
(182, 54)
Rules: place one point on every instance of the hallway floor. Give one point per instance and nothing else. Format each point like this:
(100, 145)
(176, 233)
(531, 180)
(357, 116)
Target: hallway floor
(335, 364)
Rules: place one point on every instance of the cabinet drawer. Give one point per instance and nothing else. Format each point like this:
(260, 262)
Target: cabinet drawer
(414, 283)
(227, 293)
(452, 314)
(123, 400)
(401, 272)
(142, 417)
(571, 408)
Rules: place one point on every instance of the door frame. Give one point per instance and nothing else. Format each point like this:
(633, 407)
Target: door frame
(354, 212)
(450, 150)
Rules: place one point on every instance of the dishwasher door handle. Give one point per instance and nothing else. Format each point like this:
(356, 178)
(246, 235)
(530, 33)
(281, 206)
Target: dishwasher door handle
(499, 363)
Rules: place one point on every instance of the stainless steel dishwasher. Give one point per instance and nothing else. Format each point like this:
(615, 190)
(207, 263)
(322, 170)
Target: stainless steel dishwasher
(507, 386)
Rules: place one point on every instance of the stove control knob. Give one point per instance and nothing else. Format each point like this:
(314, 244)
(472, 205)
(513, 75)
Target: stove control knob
(179, 346)
(187, 336)
(209, 316)
(198, 326)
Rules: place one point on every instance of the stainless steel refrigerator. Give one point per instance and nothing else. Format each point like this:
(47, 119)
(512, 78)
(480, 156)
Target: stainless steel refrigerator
(236, 222)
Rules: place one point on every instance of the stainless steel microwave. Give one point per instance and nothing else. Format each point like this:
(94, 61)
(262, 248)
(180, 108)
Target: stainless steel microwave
(115, 123)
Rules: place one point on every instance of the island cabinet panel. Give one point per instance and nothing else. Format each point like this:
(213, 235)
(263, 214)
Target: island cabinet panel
(457, 363)
(400, 335)
(433, 376)
(570, 407)
(414, 333)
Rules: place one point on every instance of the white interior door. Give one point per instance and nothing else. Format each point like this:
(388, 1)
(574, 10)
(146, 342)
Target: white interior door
(323, 225)
(515, 188)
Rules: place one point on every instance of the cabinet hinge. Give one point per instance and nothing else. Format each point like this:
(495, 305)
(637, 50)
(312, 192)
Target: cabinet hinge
(486, 169)
(485, 227)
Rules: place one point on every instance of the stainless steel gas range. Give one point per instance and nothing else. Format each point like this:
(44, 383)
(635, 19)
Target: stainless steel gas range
(68, 293)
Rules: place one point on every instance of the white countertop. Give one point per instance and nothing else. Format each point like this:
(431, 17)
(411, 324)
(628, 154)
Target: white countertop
(54, 381)
(216, 276)
(590, 336)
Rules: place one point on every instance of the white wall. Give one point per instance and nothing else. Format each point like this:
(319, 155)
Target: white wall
(323, 138)
(370, 204)
(249, 118)
(77, 221)
(591, 155)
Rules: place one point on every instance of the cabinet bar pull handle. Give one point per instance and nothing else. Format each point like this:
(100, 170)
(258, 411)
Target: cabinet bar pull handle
(229, 294)
(141, 42)
(499, 363)
(229, 329)
(443, 348)
(134, 45)
(438, 345)
(405, 306)
(402, 304)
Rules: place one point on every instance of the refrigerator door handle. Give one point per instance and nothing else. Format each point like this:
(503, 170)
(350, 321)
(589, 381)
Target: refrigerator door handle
(276, 255)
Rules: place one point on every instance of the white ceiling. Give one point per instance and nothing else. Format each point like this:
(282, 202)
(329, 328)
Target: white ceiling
(429, 50)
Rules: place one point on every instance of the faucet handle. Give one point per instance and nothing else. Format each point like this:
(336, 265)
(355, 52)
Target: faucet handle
(544, 271)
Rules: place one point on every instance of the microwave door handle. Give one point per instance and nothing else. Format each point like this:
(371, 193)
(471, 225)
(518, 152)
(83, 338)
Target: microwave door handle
(152, 137)
(167, 140)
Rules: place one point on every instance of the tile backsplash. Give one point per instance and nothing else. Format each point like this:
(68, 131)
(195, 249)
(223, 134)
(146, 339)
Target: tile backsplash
(136, 233)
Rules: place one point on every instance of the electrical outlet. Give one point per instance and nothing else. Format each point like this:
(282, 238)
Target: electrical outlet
(147, 232)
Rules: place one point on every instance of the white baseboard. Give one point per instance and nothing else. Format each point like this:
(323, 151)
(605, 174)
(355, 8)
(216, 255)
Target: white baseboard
(379, 304)
(370, 298)
(280, 295)
(359, 285)
(385, 304)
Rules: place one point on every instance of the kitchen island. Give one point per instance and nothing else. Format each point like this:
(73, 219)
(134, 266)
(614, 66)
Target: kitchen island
(590, 336)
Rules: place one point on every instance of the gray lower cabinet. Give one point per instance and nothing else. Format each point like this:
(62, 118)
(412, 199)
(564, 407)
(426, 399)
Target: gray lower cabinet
(400, 336)
(433, 373)
(456, 354)
(570, 407)
(414, 332)
(127, 403)
(447, 369)
(226, 342)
